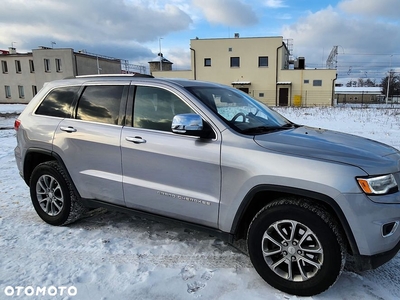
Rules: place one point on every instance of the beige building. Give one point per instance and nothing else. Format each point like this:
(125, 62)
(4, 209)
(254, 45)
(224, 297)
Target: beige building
(23, 74)
(260, 67)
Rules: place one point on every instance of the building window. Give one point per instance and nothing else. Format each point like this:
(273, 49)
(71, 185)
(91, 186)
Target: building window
(31, 66)
(18, 66)
(317, 82)
(58, 65)
(235, 62)
(306, 81)
(230, 49)
(21, 91)
(47, 65)
(263, 61)
(4, 66)
(207, 62)
(261, 95)
(8, 91)
(34, 90)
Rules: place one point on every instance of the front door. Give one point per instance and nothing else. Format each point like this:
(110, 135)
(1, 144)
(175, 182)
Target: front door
(246, 90)
(283, 97)
(166, 173)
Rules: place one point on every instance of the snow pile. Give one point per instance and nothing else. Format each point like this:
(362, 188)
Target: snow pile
(115, 256)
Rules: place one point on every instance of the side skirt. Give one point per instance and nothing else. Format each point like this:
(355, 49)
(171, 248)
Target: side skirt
(224, 236)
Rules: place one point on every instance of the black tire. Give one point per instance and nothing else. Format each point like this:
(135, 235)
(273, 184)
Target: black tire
(306, 240)
(53, 195)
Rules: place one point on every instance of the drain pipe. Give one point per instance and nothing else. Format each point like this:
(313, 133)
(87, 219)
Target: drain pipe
(333, 91)
(276, 74)
(194, 63)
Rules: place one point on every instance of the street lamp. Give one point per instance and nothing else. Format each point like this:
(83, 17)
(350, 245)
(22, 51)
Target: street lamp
(161, 58)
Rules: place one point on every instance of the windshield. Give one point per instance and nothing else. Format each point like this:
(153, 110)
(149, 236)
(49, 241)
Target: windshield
(241, 112)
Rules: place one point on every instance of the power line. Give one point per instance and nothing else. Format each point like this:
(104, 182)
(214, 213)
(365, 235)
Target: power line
(378, 54)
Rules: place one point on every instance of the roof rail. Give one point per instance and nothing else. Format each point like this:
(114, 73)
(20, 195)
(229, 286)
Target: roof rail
(114, 75)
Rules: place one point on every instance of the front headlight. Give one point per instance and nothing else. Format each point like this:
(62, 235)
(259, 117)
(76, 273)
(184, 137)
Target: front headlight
(378, 185)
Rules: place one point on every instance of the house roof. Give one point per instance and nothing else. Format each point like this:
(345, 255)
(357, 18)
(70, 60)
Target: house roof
(358, 90)
(241, 82)
(164, 60)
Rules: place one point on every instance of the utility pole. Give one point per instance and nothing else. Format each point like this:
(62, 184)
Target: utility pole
(98, 66)
(388, 83)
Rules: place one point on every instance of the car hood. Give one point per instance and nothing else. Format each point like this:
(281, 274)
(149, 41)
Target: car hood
(371, 156)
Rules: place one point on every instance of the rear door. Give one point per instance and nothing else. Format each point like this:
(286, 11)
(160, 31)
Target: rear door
(165, 173)
(89, 143)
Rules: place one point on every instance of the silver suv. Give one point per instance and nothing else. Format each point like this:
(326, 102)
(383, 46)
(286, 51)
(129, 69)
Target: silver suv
(304, 199)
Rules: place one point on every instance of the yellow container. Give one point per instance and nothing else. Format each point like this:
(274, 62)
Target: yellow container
(297, 100)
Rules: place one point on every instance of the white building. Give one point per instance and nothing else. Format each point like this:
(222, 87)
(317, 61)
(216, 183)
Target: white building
(23, 74)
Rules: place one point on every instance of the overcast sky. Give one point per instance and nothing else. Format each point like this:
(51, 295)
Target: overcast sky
(366, 31)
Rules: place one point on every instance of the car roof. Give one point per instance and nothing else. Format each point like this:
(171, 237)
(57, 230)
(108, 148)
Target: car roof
(129, 77)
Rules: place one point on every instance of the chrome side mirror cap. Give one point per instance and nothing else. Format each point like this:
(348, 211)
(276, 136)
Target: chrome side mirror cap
(188, 124)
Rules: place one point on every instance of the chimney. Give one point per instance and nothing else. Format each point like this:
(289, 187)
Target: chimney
(302, 63)
(12, 50)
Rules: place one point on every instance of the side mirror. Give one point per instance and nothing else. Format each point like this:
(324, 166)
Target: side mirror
(188, 124)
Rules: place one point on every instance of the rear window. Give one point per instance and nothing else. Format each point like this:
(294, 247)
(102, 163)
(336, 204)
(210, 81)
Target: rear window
(58, 102)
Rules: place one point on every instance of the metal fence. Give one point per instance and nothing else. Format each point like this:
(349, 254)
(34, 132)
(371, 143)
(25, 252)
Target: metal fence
(294, 98)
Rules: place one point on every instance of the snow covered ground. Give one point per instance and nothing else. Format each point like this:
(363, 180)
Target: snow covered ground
(115, 256)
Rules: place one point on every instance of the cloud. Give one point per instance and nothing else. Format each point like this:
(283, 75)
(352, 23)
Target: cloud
(315, 34)
(180, 57)
(89, 21)
(382, 8)
(329, 27)
(227, 12)
(275, 3)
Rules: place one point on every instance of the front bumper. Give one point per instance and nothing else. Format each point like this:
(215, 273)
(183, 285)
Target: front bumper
(369, 222)
(364, 262)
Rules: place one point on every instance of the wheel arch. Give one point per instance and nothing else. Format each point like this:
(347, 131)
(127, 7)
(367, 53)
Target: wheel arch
(36, 156)
(261, 195)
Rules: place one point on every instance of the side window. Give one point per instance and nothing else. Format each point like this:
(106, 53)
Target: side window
(58, 102)
(235, 62)
(263, 61)
(100, 103)
(317, 82)
(154, 108)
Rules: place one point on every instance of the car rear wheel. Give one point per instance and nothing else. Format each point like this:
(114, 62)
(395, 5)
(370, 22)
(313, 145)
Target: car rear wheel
(53, 195)
(296, 247)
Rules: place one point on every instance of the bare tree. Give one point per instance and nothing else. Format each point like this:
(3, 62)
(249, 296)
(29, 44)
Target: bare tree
(370, 83)
(394, 84)
(360, 82)
(351, 83)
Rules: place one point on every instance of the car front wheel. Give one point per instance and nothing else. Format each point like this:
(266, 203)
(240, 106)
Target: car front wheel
(296, 247)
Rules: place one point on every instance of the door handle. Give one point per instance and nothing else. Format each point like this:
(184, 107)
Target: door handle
(68, 129)
(136, 139)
